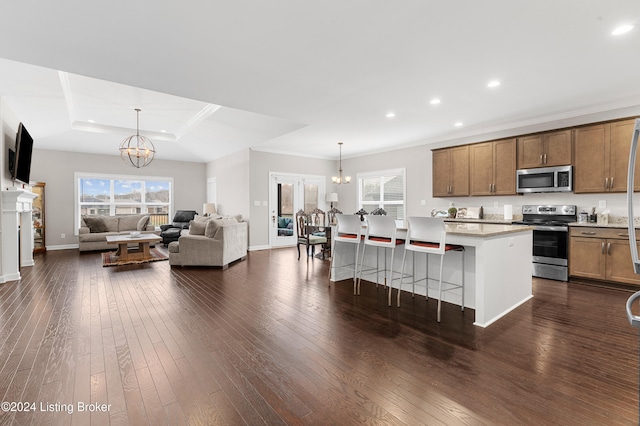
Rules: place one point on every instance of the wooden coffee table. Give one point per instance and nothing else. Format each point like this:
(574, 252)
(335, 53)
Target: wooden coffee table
(123, 241)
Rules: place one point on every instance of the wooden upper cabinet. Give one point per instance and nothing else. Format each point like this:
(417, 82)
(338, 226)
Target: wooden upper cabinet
(441, 170)
(591, 158)
(451, 172)
(602, 157)
(545, 150)
(493, 168)
(621, 134)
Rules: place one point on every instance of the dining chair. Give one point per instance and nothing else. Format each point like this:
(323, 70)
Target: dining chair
(305, 230)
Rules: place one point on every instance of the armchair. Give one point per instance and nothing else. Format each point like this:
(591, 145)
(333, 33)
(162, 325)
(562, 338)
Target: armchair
(171, 232)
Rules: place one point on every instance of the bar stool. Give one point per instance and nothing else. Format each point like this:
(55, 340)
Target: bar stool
(380, 233)
(427, 235)
(348, 230)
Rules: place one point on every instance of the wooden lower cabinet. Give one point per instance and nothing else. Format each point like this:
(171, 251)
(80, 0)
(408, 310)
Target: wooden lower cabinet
(601, 254)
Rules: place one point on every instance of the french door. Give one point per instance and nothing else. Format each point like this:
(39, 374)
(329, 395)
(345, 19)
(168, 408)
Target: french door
(288, 194)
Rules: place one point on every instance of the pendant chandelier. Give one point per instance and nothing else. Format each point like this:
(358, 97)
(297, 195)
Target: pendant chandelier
(340, 179)
(137, 150)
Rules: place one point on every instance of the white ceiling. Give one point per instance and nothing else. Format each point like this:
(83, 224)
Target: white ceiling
(297, 77)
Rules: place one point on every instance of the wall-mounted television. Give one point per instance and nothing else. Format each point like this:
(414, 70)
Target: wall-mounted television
(22, 158)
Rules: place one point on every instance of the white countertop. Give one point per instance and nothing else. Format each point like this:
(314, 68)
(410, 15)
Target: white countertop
(480, 230)
(483, 230)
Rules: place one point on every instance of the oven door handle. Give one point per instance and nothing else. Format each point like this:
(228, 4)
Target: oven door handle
(551, 228)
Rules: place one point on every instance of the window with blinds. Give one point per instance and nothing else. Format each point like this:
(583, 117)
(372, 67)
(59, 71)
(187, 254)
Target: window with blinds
(383, 189)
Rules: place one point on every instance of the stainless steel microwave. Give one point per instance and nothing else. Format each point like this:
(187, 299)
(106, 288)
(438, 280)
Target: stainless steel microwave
(545, 179)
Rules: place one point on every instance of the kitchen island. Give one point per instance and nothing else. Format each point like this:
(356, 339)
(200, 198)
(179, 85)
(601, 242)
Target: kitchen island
(497, 267)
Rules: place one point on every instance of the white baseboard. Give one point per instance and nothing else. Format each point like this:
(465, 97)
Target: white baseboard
(256, 248)
(63, 247)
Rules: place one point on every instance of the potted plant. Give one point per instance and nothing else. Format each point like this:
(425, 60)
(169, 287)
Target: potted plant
(452, 212)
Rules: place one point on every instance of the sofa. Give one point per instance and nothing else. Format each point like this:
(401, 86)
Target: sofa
(93, 231)
(214, 241)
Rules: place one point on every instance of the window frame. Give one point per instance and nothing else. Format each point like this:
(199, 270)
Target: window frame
(113, 202)
(380, 174)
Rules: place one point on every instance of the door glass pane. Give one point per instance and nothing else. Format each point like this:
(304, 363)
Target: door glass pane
(310, 197)
(285, 199)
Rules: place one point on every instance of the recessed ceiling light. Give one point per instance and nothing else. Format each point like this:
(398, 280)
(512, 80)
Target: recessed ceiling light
(622, 29)
(91, 121)
(435, 101)
(391, 114)
(493, 83)
(458, 124)
(163, 131)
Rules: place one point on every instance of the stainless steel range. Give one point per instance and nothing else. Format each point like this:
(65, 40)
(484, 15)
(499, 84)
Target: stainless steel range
(550, 239)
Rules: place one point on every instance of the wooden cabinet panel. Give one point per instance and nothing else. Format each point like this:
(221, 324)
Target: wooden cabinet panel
(591, 158)
(441, 173)
(460, 171)
(601, 254)
(621, 134)
(586, 258)
(545, 150)
(481, 173)
(558, 148)
(619, 264)
(493, 168)
(530, 151)
(450, 172)
(504, 167)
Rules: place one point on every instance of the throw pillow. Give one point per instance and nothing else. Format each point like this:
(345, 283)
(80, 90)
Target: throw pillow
(197, 228)
(201, 219)
(95, 224)
(127, 223)
(143, 222)
(214, 224)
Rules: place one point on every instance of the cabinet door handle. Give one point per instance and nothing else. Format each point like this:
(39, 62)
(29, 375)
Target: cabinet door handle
(541, 158)
(608, 248)
(602, 248)
(588, 233)
(545, 159)
(606, 183)
(611, 183)
(490, 185)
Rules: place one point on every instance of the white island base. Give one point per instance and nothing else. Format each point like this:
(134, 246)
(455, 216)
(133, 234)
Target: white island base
(498, 266)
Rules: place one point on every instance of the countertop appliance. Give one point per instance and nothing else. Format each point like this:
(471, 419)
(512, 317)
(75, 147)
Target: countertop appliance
(550, 238)
(545, 179)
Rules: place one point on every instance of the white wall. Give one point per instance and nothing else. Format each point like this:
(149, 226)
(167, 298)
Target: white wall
(57, 168)
(261, 164)
(7, 141)
(232, 182)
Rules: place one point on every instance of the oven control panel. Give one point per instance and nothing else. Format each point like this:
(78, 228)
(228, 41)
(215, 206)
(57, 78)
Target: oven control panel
(555, 210)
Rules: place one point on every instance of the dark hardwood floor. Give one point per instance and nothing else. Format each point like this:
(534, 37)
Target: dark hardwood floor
(268, 342)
